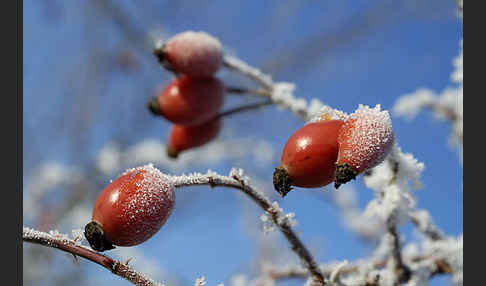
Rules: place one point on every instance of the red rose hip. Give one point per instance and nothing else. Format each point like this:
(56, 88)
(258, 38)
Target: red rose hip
(182, 138)
(195, 54)
(187, 101)
(309, 157)
(365, 139)
(131, 209)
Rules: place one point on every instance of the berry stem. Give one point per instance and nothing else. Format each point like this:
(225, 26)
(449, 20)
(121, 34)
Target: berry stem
(242, 91)
(243, 108)
(237, 65)
(235, 182)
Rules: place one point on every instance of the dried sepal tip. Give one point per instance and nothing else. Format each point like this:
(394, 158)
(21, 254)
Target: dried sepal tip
(281, 181)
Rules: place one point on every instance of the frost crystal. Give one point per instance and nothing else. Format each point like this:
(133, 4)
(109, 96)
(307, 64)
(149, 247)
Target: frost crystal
(153, 201)
(282, 218)
(392, 182)
(409, 105)
(327, 113)
(240, 175)
(333, 278)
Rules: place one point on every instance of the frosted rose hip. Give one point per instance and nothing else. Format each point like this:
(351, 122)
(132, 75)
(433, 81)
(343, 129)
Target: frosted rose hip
(195, 54)
(131, 209)
(309, 157)
(365, 139)
(182, 138)
(187, 101)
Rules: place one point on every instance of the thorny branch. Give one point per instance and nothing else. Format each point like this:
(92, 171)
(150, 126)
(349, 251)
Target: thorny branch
(439, 266)
(402, 271)
(238, 183)
(61, 242)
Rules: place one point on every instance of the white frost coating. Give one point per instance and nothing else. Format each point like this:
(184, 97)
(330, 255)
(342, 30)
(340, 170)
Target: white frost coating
(283, 218)
(424, 223)
(392, 190)
(451, 250)
(420, 278)
(53, 236)
(201, 281)
(78, 235)
(366, 138)
(409, 105)
(153, 201)
(240, 177)
(327, 113)
(240, 174)
(200, 41)
(196, 54)
(282, 94)
(254, 73)
(333, 278)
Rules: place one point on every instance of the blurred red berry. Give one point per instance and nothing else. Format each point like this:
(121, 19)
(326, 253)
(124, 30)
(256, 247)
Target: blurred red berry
(309, 157)
(182, 138)
(365, 139)
(187, 101)
(195, 54)
(130, 209)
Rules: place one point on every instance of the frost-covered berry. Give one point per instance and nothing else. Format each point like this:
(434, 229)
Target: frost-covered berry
(188, 101)
(183, 138)
(195, 54)
(365, 139)
(309, 157)
(131, 209)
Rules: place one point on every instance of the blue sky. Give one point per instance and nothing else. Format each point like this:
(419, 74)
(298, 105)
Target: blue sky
(341, 52)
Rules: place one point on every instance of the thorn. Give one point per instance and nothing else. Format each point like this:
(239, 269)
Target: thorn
(211, 182)
(76, 260)
(128, 260)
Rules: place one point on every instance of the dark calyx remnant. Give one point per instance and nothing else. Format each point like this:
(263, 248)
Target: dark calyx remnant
(282, 181)
(160, 54)
(96, 237)
(343, 174)
(153, 106)
(172, 152)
